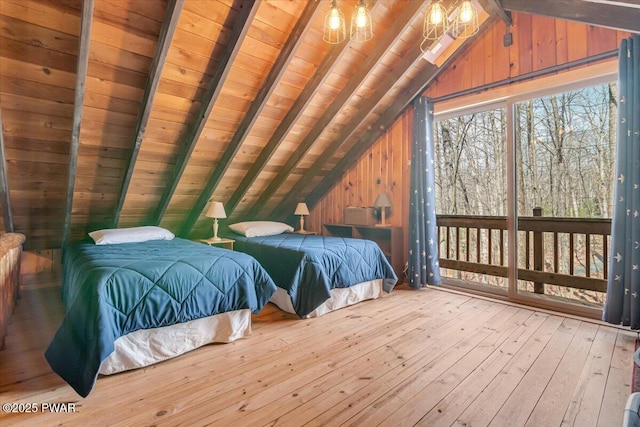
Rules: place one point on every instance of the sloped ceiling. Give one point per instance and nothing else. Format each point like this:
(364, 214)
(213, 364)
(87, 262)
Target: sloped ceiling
(128, 112)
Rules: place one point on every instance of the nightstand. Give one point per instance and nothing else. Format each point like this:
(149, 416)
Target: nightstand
(221, 241)
(305, 232)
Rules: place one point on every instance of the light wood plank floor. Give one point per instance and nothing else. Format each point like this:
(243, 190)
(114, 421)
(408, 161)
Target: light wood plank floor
(427, 357)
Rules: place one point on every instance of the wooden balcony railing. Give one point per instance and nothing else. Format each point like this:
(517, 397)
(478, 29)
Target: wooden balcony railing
(569, 252)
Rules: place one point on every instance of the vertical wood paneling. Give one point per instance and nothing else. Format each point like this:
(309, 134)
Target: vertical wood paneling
(538, 43)
(479, 56)
(600, 40)
(522, 51)
(384, 167)
(576, 41)
(562, 48)
(544, 52)
(500, 53)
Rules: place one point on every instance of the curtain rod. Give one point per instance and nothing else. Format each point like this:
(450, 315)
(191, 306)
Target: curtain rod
(533, 74)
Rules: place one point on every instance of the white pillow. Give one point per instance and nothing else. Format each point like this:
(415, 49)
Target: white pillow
(112, 236)
(260, 228)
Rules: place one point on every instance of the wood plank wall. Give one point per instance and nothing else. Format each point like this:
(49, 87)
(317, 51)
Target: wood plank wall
(538, 43)
(40, 268)
(39, 43)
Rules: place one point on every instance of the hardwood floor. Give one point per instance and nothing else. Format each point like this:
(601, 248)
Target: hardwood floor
(427, 357)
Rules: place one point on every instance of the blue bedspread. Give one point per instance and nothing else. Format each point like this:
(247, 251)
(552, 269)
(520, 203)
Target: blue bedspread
(111, 290)
(308, 266)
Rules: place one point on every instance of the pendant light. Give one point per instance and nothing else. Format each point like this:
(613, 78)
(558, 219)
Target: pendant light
(436, 21)
(466, 21)
(361, 23)
(334, 27)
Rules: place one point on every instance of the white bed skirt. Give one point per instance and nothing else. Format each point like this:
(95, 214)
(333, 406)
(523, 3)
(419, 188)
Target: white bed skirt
(148, 346)
(340, 298)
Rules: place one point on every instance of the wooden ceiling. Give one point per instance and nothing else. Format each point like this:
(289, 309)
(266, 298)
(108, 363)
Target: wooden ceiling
(129, 112)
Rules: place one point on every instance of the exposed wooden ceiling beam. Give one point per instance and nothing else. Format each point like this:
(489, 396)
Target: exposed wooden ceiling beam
(277, 71)
(286, 124)
(81, 80)
(5, 197)
(170, 22)
(611, 15)
(374, 57)
(238, 33)
(493, 7)
(410, 59)
(403, 99)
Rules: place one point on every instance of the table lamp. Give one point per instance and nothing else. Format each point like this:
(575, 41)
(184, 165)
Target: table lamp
(215, 211)
(302, 210)
(383, 202)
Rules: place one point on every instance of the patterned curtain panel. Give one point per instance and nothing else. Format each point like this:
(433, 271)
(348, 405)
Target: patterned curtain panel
(622, 305)
(423, 232)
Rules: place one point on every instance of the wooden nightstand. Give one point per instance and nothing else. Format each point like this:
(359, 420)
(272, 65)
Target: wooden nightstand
(305, 232)
(221, 241)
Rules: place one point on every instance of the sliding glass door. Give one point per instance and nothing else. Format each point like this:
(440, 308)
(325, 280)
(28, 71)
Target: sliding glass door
(524, 196)
(563, 158)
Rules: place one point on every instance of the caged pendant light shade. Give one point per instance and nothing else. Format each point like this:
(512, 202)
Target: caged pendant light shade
(335, 30)
(361, 23)
(466, 21)
(436, 21)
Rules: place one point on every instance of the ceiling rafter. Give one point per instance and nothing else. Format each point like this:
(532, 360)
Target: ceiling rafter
(587, 12)
(5, 197)
(296, 110)
(410, 59)
(237, 36)
(374, 57)
(81, 81)
(403, 99)
(294, 41)
(169, 24)
(493, 7)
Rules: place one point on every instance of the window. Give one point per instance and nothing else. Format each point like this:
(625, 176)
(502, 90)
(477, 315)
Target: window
(561, 167)
(470, 182)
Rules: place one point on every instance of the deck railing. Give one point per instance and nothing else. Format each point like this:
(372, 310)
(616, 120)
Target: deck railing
(569, 252)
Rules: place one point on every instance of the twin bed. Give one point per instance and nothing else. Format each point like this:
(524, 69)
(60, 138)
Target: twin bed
(318, 274)
(135, 303)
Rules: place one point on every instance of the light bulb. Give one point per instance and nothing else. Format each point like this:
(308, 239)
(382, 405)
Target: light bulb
(436, 16)
(361, 17)
(334, 19)
(466, 12)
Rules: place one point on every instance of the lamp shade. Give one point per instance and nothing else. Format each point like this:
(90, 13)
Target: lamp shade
(301, 209)
(335, 30)
(436, 21)
(361, 23)
(382, 201)
(216, 210)
(466, 21)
